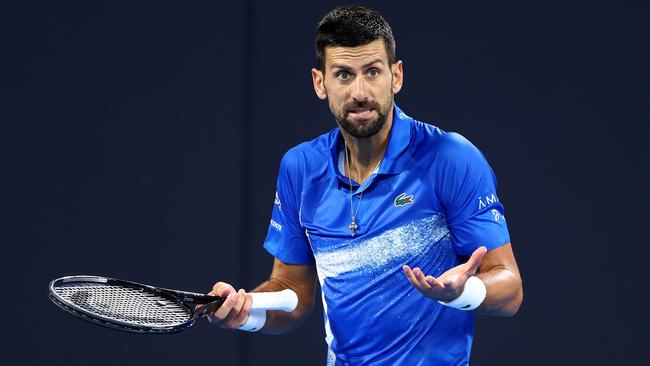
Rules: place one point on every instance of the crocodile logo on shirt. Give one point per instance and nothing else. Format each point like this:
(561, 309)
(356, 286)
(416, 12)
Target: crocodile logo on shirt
(403, 200)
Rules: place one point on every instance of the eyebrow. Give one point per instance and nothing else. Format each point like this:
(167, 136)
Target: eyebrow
(345, 67)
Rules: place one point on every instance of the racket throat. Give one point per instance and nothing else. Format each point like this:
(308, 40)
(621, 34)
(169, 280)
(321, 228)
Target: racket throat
(208, 308)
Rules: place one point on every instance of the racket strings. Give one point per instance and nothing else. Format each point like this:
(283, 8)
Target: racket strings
(124, 304)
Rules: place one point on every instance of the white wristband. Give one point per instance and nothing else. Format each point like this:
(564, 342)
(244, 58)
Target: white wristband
(256, 320)
(472, 296)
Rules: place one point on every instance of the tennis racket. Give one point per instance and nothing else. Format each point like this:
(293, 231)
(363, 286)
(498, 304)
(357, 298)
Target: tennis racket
(134, 307)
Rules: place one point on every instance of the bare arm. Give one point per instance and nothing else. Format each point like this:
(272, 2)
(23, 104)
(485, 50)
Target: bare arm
(497, 269)
(297, 277)
(499, 272)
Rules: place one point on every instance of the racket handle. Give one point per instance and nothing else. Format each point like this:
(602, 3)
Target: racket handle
(285, 300)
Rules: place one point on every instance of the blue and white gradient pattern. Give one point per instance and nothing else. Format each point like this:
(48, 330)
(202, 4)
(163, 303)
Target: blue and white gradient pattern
(371, 270)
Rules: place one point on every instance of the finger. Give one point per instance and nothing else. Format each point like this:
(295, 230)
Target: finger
(420, 277)
(224, 309)
(434, 282)
(243, 314)
(475, 260)
(222, 289)
(236, 309)
(410, 276)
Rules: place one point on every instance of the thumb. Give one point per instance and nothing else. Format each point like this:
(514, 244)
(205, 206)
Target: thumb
(222, 289)
(475, 260)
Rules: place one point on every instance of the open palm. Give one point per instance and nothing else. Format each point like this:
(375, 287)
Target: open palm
(448, 285)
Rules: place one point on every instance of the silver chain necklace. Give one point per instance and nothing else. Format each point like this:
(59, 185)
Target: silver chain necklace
(353, 224)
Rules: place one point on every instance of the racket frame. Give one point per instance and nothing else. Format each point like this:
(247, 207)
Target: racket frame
(187, 300)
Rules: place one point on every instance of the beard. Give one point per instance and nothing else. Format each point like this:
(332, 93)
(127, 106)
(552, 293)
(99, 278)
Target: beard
(357, 130)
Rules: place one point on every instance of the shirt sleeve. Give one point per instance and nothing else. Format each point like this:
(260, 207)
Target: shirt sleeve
(466, 187)
(286, 238)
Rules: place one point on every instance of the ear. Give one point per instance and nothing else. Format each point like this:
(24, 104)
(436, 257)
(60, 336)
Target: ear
(317, 78)
(398, 76)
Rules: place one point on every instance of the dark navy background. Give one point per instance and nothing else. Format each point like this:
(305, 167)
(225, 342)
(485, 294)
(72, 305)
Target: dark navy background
(141, 140)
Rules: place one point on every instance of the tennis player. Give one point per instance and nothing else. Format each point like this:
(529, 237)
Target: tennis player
(398, 220)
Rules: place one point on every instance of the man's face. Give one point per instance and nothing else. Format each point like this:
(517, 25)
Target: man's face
(359, 86)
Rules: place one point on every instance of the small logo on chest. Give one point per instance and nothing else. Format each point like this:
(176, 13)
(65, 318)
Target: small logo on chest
(403, 200)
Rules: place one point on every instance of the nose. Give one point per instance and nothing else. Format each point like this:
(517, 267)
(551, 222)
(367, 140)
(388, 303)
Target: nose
(359, 93)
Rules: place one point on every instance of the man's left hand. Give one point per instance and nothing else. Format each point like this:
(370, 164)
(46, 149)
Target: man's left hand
(450, 284)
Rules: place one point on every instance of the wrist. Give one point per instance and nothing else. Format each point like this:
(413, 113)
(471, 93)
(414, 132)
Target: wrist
(474, 292)
(255, 321)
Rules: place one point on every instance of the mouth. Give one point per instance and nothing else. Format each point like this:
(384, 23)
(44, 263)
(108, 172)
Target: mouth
(361, 113)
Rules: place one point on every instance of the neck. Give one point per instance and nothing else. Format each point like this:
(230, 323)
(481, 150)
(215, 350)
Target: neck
(365, 154)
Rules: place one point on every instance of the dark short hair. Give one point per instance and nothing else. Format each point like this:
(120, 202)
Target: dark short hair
(352, 26)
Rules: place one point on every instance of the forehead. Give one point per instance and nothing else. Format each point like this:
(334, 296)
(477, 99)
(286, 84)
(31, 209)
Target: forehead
(355, 56)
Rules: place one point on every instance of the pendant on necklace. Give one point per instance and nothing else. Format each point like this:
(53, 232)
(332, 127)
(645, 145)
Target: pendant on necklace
(353, 226)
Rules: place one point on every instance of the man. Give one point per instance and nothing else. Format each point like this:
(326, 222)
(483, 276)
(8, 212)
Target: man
(384, 211)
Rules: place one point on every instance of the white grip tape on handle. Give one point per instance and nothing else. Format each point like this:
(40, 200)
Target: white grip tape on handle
(285, 300)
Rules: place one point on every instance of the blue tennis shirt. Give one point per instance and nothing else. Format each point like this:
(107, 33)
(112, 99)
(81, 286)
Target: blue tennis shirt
(430, 204)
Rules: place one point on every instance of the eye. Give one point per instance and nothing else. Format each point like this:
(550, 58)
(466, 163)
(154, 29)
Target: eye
(343, 75)
(373, 73)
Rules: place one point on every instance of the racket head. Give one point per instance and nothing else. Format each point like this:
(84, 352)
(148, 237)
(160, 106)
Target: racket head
(123, 305)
